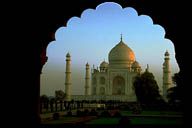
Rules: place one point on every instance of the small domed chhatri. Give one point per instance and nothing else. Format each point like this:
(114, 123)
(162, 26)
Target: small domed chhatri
(136, 65)
(104, 65)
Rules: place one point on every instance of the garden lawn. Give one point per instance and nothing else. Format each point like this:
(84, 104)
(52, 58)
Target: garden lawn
(138, 120)
(148, 120)
(125, 113)
(104, 120)
(161, 113)
(128, 113)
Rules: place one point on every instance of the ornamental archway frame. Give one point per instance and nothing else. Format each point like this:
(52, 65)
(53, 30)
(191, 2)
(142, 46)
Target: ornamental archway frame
(162, 18)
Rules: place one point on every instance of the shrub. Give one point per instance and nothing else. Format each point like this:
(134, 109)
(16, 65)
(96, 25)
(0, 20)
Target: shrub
(136, 109)
(56, 116)
(69, 113)
(79, 113)
(117, 114)
(105, 114)
(86, 111)
(93, 112)
(110, 107)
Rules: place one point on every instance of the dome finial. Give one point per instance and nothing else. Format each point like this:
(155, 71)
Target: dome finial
(121, 37)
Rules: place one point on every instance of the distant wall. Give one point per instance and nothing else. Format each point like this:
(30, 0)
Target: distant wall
(106, 97)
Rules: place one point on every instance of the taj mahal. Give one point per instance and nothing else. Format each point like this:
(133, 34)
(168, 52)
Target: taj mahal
(113, 80)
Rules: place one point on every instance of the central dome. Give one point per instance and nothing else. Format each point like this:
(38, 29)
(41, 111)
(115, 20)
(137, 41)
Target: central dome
(121, 53)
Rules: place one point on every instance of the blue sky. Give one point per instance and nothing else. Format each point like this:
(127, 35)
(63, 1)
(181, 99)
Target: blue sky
(91, 37)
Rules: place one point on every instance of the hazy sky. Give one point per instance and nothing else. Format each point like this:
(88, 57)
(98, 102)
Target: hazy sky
(90, 39)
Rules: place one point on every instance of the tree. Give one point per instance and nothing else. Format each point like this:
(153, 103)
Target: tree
(60, 95)
(44, 98)
(93, 112)
(146, 88)
(174, 94)
(105, 114)
(52, 101)
(45, 101)
(176, 79)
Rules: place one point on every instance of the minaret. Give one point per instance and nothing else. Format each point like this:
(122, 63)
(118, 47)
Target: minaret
(68, 78)
(166, 75)
(87, 80)
(93, 69)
